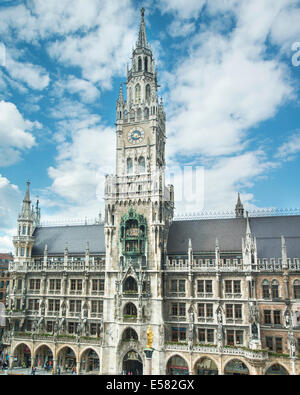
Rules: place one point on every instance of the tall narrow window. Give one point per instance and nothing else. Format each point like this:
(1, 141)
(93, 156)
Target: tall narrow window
(146, 113)
(148, 93)
(275, 289)
(142, 165)
(129, 166)
(138, 93)
(146, 64)
(140, 64)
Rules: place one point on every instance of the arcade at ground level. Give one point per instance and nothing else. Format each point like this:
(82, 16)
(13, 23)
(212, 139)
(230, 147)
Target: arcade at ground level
(87, 361)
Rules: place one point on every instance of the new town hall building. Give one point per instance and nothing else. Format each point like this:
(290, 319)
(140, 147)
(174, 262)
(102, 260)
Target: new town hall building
(221, 295)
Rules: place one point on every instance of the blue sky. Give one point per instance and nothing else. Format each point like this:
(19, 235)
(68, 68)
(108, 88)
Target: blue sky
(229, 74)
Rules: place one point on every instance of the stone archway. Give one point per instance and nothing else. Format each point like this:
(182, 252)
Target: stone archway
(43, 357)
(236, 367)
(206, 367)
(132, 363)
(177, 365)
(276, 370)
(89, 362)
(22, 356)
(66, 359)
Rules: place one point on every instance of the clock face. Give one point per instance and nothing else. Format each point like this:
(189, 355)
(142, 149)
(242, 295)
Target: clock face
(136, 136)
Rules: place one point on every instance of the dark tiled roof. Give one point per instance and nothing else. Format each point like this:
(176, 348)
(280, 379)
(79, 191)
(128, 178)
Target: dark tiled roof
(204, 233)
(268, 232)
(229, 232)
(75, 237)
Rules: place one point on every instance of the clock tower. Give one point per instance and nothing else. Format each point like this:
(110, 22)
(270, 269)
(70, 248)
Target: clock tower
(138, 213)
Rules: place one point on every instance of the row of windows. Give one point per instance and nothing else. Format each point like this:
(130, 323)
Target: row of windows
(56, 284)
(269, 290)
(71, 327)
(205, 310)
(138, 93)
(206, 286)
(207, 335)
(54, 305)
(141, 165)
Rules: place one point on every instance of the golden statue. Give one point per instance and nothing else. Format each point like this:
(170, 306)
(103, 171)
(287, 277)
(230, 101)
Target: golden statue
(149, 337)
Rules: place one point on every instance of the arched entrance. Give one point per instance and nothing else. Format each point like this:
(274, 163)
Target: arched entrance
(66, 359)
(177, 366)
(132, 364)
(22, 356)
(90, 363)
(206, 367)
(276, 370)
(236, 368)
(43, 358)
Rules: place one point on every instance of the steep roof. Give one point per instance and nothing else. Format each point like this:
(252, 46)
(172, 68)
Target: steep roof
(74, 237)
(204, 233)
(229, 232)
(268, 232)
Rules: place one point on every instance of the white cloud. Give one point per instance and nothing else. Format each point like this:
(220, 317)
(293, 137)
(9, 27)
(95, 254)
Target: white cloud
(220, 92)
(79, 174)
(289, 149)
(15, 133)
(10, 199)
(34, 76)
(182, 8)
(87, 92)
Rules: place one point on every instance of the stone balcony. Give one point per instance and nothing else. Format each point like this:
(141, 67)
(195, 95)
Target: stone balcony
(226, 350)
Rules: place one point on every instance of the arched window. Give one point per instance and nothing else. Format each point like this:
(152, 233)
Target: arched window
(130, 310)
(146, 113)
(297, 289)
(266, 289)
(129, 334)
(138, 93)
(275, 289)
(146, 64)
(140, 64)
(148, 93)
(129, 166)
(130, 285)
(142, 164)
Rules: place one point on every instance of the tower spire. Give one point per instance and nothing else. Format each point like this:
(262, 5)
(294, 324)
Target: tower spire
(26, 206)
(142, 40)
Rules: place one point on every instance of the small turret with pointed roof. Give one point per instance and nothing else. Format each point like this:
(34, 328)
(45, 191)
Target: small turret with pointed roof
(239, 208)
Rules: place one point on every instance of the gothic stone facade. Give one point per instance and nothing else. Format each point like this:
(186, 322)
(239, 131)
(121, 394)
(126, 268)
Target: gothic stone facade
(221, 295)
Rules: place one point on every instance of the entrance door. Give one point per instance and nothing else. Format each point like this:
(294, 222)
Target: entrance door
(132, 364)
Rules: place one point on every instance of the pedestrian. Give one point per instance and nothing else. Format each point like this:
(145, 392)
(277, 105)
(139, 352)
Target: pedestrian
(58, 370)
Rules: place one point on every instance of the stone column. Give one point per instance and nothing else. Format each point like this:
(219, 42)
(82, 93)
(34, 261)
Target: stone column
(148, 361)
